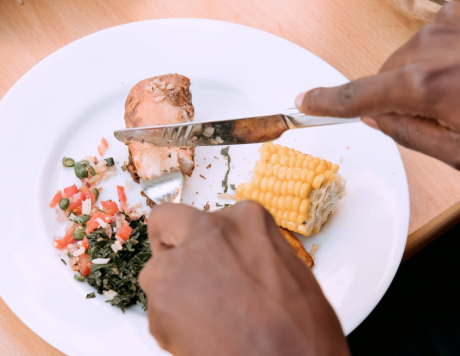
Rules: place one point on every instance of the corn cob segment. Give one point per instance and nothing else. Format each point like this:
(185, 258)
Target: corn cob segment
(299, 190)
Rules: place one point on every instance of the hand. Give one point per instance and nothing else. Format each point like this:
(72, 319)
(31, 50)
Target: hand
(228, 283)
(414, 98)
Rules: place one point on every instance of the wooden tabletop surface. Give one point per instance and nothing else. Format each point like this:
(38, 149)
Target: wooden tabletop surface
(355, 36)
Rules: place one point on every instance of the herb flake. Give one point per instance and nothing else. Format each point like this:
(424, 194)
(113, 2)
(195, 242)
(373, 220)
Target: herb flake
(91, 295)
(224, 152)
(63, 262)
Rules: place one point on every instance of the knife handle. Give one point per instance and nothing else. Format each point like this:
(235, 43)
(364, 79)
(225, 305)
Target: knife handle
(296, 120)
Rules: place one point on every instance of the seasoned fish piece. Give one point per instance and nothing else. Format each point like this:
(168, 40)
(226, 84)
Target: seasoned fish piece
(161, 100)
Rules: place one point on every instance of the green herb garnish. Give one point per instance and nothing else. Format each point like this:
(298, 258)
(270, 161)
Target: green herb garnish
(81, 219)
(304, 223)
(121, 273)
(110, 162)
(91, 295)
(63, 262)
(169, 155)
(123, 167)
(79, 278)
(233, 186)
(68, 162)
(80, 170)
(96, 194)
(224, 152)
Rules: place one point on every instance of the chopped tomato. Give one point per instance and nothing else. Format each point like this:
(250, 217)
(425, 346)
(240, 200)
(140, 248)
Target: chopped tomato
(93, 224)
(125, 232)
(87, 193)
(110, 207)
(85, 243)
(84, 264)
(57, 198)
(70, 191)
(122, 197)
(75, 206)
(102, 147)
(67, 239)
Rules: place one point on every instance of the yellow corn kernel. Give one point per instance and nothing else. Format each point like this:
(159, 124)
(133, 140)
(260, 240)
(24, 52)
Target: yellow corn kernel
(286, 215)
(256, 181)
(273, 211)
(263, 184)
(291, 187)
(301, 219)
(312, 165)
(282, 173)
(305, 190)
(255, 194)
(296, 175)
(265, 158)
(268, 170)
(268, 199)
(329, 165)
(297, 189)
(281, 203)
(304, 174)
(292, 161)
(335, 168)
(274, 158)
(293, 216)
(321, 169)
(302, 229)
(275, 201)
(311, 176)
(259, 169)
(299, 162)
(284, 188)
(288, 202)
(271, 184)
(291, 226)
(303, 206)
(276, 169)
(290, 173)
(283, 224)
(277, 222)
(261, 198)
(295, 204)
(279, 215)
(318, 181)
(284, 160)
(277, 189)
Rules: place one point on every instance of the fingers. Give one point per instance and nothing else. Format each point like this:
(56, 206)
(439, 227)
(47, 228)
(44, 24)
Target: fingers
(169, 225)
(376, 95)
(449, 15)
(422, 135)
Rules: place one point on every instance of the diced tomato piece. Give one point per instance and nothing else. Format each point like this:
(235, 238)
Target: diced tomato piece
(93, 224)
(69, 191)
(85, 243)
(67, 239)
(122, 197)
(75, 206)
(57, 198)
(84, 264)
(110, 207)
(125, 232)
(87, 193)
(102, 147)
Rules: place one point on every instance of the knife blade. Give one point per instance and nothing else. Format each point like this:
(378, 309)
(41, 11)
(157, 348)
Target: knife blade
(233, 131)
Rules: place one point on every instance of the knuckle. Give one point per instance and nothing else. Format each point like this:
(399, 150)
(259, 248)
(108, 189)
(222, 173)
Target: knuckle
(346, 95)
(449, 10)
(419, 79)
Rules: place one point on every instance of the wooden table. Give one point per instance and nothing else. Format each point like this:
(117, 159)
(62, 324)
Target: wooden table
(355, 36)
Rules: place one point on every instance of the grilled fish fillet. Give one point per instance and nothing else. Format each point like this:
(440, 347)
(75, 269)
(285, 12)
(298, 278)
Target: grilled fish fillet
(161, 100)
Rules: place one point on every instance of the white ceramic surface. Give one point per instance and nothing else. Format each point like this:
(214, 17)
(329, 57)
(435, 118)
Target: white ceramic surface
(67, 102)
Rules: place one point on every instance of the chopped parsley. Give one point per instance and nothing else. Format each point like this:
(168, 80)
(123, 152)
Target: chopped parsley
(123, 167)
(233, 186)
(224, 152)
(63, 262)
(121, 273)
(91, 295)
(224, 206)
(304, 223)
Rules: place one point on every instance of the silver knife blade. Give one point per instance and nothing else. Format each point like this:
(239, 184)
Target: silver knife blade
(235, 131)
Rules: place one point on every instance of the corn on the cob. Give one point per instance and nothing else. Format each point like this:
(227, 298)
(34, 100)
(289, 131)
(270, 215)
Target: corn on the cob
(299, 190)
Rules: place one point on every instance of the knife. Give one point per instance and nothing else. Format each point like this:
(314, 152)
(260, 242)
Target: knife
(233, 131)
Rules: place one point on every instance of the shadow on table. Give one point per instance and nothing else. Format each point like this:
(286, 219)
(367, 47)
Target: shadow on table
(420, 313)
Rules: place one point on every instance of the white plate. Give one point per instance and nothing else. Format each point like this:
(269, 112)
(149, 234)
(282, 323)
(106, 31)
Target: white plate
(66, 103)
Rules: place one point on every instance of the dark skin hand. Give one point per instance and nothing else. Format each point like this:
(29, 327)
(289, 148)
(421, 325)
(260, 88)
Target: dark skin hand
(415, 96)
(233, 286)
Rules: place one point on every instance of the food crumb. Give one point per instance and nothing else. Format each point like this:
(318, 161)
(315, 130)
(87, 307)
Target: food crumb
(348, 147)
(196, 193)
(216, 157)
(209, 166)
(206, 207)
(340, 160)
(202, 176)
(193, 203)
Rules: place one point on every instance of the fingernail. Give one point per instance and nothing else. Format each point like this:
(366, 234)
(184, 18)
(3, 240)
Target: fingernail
(370, 122)
(299, 99)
